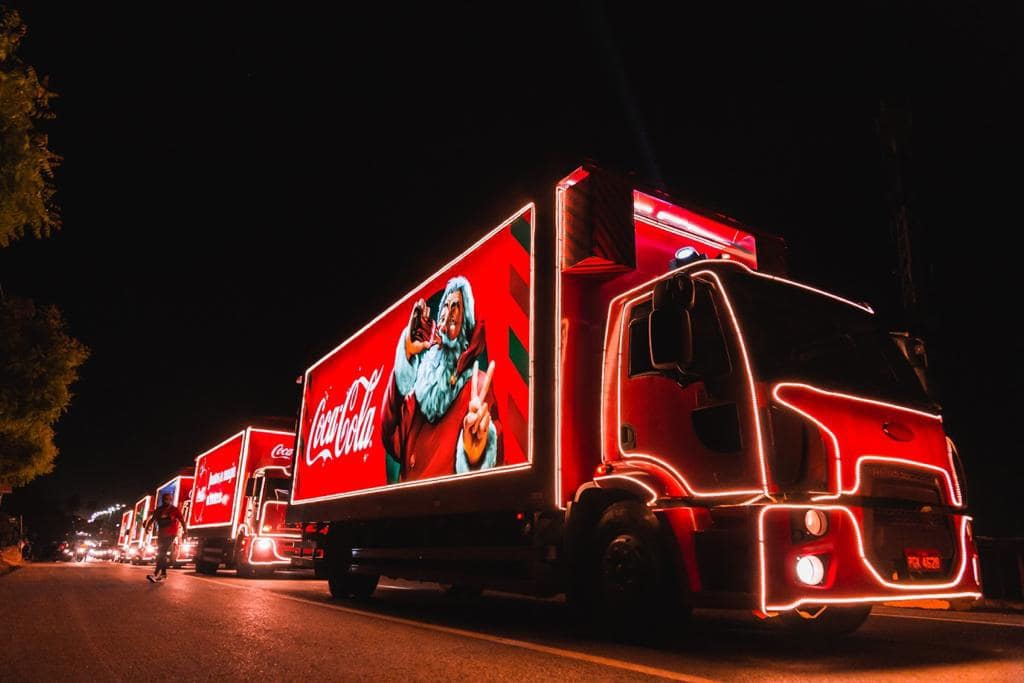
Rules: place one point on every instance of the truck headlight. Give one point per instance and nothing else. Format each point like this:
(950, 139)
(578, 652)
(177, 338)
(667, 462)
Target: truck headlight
(264, 544)
(810, 570)
(816, 522)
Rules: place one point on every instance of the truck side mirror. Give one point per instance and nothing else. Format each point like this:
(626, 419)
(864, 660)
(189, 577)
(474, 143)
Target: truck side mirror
(669, 327)
(914, 350)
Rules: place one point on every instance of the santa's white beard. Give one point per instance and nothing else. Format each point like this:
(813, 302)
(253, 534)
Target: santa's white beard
(434, 390)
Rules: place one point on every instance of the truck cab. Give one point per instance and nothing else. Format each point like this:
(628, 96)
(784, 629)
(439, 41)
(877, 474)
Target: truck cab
(270, 541)
(786, 440)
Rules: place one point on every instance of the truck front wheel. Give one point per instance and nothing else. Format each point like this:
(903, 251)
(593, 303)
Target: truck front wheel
(628, 581)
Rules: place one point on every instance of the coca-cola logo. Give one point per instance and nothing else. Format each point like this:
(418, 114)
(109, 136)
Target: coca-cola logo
(281, 452)
(344, 428)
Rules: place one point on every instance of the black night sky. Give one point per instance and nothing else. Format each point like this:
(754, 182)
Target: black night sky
(243, 188)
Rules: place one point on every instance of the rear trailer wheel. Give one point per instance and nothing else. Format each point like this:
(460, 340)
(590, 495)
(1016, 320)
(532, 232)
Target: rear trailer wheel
(347, 586)
(630, 587)
(829, 620)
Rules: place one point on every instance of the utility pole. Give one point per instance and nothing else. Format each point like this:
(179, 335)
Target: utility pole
(894, 125)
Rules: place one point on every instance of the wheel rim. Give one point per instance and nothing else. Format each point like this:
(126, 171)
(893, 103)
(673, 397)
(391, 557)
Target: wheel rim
(624, 568)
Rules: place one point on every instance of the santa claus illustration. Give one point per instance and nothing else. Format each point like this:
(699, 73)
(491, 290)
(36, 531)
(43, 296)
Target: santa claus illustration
(439, 414)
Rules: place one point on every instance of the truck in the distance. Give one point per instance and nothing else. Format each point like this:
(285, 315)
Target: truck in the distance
(124, 534)
(615, 397)
(239, 499)
(141, 547)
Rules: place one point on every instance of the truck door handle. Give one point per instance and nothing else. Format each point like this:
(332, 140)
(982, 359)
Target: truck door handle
(627, 436)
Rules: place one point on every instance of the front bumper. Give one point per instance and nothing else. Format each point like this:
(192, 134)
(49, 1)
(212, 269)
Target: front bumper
(863, 556)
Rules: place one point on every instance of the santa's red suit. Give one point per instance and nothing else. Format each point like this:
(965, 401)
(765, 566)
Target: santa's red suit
(426, 450)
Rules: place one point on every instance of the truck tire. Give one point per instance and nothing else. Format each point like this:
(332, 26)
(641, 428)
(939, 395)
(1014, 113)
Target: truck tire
(346, 586)
(833, 621)
(209, 568)
(627, 582)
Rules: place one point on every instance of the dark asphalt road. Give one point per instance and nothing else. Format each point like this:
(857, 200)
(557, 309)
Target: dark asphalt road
(99, 621)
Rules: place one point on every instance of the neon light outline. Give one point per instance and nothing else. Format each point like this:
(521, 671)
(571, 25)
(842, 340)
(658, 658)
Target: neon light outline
(273, 547)
(953, 485)
(645, 456)
(654, 494)
(560, 190)
(860, 549)
(263, 516)
(531, 207)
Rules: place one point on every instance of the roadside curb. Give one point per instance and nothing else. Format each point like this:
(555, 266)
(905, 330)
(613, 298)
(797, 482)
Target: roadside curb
(982, 605)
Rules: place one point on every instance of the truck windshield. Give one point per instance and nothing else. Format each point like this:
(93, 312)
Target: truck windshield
(794, 334)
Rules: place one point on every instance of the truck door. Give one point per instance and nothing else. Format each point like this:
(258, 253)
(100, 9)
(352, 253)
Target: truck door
(698, 420)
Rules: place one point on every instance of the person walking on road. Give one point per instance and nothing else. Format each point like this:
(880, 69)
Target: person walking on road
(167, 519)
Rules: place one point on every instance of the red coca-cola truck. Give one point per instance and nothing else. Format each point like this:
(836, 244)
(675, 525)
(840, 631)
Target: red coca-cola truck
(619, 398)
(239, 500)
(124, 534)
(140, 542)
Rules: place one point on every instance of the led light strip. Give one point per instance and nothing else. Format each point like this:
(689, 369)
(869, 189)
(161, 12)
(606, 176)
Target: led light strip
(504, 469)
(560, 190)
(654, 494)
(673, 472)
(273, 546)
(860, 549)
(731, 250)
(263, 516)
(653, 459)
(953, 485)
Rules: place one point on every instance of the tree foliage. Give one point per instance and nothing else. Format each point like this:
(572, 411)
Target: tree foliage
(38, 359)
(26, 162)
(38, 363)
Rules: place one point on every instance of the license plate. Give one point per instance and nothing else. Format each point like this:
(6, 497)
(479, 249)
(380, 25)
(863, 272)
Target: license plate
(923, 561)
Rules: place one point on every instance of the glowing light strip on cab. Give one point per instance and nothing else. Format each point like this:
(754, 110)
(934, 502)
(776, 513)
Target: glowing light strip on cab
(702, 237)
(643, 456)
(654, 494)
(863, 556)
(861, 399)
(954, 495)
(532, 209)
(191, 511)
(560, 191)
(263, 516)
(273, 547)
(951, 480)
(950, 449)
(750, 376)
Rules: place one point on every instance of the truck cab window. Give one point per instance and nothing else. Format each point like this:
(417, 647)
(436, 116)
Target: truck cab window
(710, 356)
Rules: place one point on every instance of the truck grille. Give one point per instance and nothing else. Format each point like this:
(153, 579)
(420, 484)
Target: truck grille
(890, 532)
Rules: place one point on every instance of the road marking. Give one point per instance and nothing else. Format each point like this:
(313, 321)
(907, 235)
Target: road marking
(950, 619)
(510, 642)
